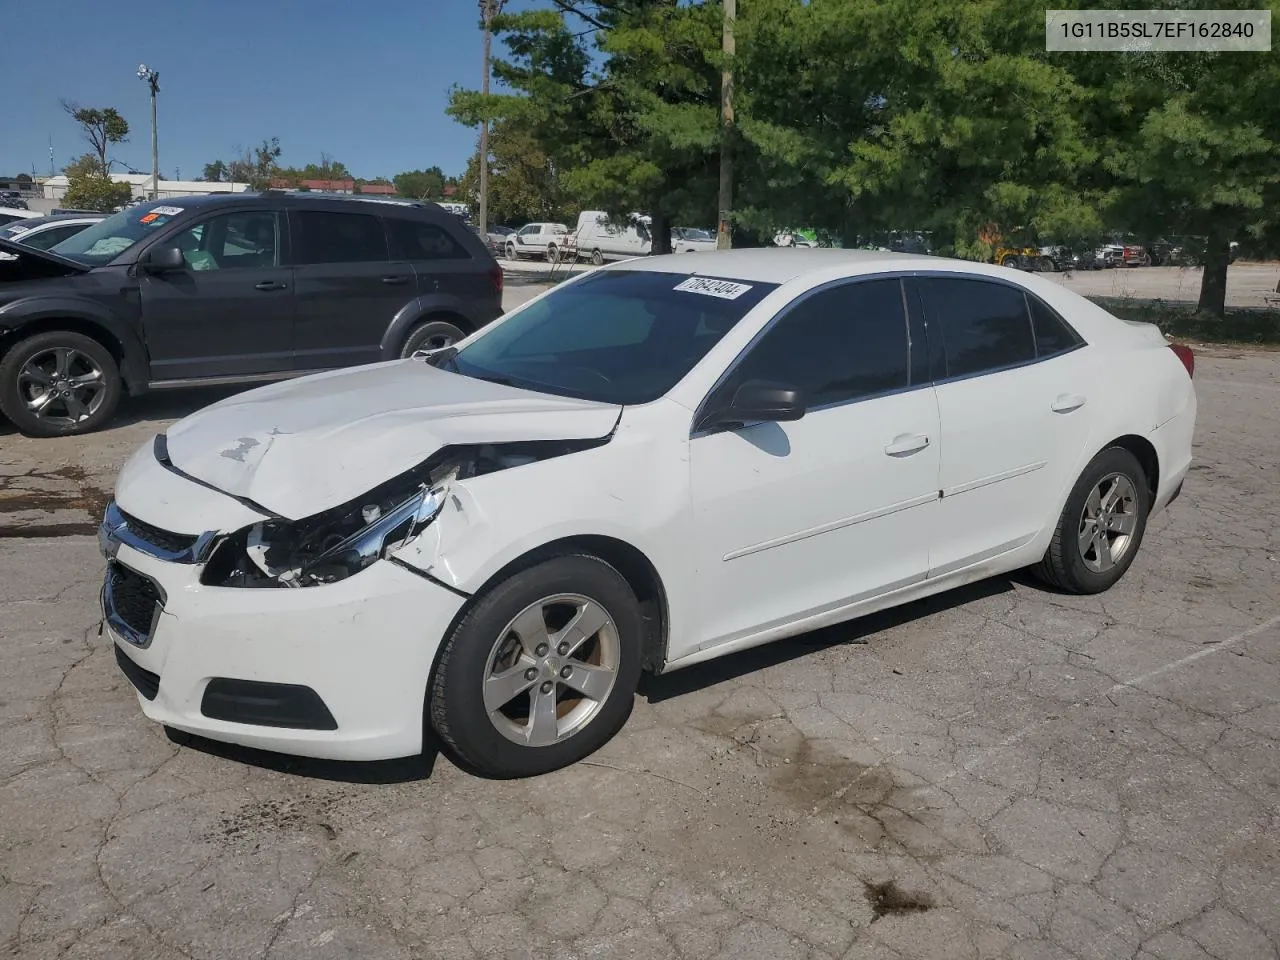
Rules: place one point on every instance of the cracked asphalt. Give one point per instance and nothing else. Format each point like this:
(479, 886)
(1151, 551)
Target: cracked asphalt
(1000, 772)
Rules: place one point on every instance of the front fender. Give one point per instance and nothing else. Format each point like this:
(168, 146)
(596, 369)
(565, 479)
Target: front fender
(421, 308)
(29, 311)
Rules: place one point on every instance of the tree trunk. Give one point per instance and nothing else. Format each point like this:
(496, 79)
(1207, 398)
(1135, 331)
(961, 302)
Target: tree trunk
(1213, 282)
(660, 225)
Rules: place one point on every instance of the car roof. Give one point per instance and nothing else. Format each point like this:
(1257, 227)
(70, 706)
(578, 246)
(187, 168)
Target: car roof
(780, 264)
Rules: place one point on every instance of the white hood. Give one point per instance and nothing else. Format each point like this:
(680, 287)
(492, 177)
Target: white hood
(302, 446)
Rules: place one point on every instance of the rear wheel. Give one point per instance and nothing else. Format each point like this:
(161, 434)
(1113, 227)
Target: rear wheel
(1012, 261)
(1046, 265)
(597, 257)
(431, 335)
(59, 384)
(1101, 525)
(553, 255)
(542, 671)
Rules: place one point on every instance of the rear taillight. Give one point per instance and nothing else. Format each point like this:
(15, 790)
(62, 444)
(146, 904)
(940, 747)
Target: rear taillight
(1186, 356)
(495, 274)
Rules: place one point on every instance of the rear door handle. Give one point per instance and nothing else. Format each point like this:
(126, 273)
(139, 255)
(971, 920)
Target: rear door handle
(270, 285)
(905, 444)
(394, 281)
(1066, 402)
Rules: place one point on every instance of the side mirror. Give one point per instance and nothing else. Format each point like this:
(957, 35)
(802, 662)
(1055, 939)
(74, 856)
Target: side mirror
(163, 260)
(758, 401)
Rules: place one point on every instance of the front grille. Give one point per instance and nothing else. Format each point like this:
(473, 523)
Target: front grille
(133, 598)
(146, 682)
(166, 540)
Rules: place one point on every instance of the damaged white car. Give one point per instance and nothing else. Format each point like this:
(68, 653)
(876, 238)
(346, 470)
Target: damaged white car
(650, 465)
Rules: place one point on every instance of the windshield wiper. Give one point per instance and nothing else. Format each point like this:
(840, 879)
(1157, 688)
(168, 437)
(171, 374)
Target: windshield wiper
(442, 357)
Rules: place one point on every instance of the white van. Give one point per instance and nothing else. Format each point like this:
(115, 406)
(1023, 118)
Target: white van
(599, 240)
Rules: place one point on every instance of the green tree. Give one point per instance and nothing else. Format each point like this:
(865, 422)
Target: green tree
(83, 166)
(1193, 141)
(255, 167)
(425, 184)
(621, 96)
(100, 127)
(524, 183)
(92, 191)
(215, 172)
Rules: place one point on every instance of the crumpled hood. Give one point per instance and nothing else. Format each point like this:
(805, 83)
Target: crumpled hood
(305, 445)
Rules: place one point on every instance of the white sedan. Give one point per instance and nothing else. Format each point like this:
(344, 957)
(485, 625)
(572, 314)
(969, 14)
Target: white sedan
(652, 464)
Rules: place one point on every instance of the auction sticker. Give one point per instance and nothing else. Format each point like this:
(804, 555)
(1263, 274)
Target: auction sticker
(708, 287)
(166, 211)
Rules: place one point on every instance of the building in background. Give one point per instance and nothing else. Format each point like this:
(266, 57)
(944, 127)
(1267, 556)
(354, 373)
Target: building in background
(55, 188)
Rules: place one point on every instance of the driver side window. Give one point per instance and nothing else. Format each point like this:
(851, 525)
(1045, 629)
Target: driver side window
(248, 238)
(842, 343)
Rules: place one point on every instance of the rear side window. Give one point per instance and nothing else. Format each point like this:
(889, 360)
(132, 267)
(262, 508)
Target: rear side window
(323, 237)
(417, 240)
(985, 326)
(838, 344)
(1053, 335)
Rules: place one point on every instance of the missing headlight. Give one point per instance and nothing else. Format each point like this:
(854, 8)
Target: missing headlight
(344, 540)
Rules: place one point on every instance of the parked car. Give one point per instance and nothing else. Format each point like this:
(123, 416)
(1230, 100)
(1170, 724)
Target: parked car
(545, 241)
(229, 289)
(10, 214)
(496, 238)
(692, 240)
(43, 232)
(640, 469)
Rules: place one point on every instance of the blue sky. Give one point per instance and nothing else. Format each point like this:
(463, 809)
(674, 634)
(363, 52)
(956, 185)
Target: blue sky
(365, 83)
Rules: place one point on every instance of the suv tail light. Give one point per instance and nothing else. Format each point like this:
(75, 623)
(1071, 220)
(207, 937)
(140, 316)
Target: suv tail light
(495, 274)
(1186, 356)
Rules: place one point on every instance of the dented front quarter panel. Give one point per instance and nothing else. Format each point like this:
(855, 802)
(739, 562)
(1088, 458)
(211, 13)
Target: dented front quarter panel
(635, 489)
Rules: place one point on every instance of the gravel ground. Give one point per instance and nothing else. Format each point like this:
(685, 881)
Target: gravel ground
(999, 772)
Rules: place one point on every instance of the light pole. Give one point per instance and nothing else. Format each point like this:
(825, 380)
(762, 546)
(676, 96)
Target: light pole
(488, 10)
(152, 78)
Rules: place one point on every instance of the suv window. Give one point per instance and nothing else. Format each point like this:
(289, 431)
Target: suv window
(246, 238)
(839, 344)
(425, 241)
(1053, 335)
(47, 238)
(323, 237)
(985, 326)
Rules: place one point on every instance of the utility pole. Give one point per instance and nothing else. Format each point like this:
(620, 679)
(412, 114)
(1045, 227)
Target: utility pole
(724, 239)
(488, 10)
(152, 78)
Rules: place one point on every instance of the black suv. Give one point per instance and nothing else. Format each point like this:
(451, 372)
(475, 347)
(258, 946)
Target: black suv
(230, 289)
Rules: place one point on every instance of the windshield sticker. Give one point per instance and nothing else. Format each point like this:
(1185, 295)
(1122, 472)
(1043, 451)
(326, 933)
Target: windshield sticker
(724, 289)
(150, 218)
(108, 246)
(167, 211)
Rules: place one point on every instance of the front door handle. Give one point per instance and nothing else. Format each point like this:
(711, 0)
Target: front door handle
(905, 444)
(1066, 402)
(270, 285)
(394, 281)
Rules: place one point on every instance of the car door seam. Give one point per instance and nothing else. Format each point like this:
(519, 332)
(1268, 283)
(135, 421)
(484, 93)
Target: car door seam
(994, 478)
(831, 526)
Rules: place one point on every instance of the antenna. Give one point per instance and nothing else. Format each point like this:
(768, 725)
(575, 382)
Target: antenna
(52, 171)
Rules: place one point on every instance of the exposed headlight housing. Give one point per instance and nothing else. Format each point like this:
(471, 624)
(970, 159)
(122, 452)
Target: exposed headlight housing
(344, 540)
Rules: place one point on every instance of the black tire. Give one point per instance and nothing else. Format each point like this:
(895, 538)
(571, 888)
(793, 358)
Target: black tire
(431, 335)
(1065, 565)
(553, 254)
(61, 419)
(597, 258)
(456, 704)
(511, 252)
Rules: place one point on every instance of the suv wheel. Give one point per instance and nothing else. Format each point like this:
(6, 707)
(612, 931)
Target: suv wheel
(431, 335)
(59, 384)
(541, 671)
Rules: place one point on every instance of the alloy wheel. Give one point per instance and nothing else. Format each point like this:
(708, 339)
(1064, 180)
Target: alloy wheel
(1108, 522)
(551, 670)
(61, 385)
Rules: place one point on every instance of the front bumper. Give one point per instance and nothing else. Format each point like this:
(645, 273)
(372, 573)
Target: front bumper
(364, 646)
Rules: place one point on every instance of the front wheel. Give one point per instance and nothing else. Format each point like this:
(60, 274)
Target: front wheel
(542, 671)
(597, 258)
(511, 252)
(59, 384)
(1101, 527)
(553, 255)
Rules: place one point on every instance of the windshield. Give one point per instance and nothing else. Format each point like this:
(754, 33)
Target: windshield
(617, 336)
(104, 241)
